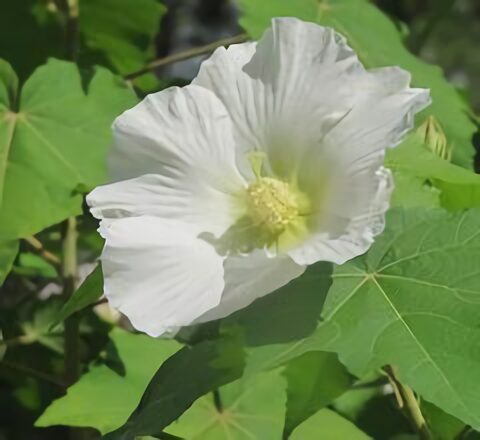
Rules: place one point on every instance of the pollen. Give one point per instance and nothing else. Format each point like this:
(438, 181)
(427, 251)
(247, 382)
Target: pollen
(271, 204)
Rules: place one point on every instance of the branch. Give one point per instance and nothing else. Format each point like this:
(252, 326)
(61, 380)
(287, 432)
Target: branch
(190, 53)
(35, 373)
(72, 29)
(407, 402)
(69, 274)
(40, 249)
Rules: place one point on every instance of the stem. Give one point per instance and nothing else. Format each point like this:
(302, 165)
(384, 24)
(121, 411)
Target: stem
(72, 29)
(408, 402)
(190, 53)
(34, 373)
(69, 274)
(40, 249)
(217, 401)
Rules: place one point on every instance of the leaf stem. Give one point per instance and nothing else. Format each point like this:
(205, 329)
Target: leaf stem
(408, 402)
(72, 28)
(217, 401)
(34, 373)
(69, 274)
(44, 253)
(184, 55)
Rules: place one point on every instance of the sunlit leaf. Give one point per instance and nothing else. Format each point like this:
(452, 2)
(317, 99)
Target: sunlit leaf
(250, 409)
(103, 399)
(53, 141)
(458, 187)
(328, 425)
(182, 379)
(412, 191)
(414, 302)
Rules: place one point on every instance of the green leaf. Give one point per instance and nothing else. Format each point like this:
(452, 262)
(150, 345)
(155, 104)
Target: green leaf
(414, 192)
(373, 409)
(118, 34)
(88, 293)
(101, 398)
(36, 329)
(250, 409)
(459, 187)
(443, 426)
(276, 328)
(256, 16)
(29, 21)
(413, 301)
(53, 140)
(121, 30)
(288, 314)
(272, 325)
(8, 252)
(32, 265)
(328, 425)
(314, 380)
(355, 19)
(182, 379)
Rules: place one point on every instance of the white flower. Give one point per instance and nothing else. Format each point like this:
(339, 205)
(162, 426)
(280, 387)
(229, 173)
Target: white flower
(228, 188)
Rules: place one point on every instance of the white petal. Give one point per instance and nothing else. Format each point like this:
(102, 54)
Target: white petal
(178, 132)
(381, 118)
(301, 82)
(180, 142)
(250, 277)
(159, 275)
(203, 207)
(365, 218)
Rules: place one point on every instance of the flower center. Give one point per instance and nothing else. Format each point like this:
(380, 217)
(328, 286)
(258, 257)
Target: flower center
(271, 204)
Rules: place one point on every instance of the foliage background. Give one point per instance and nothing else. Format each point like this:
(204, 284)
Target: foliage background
(73, 75)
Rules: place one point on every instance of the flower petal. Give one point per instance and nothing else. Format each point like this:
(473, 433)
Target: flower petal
(175, 132)
(159, 275)
(197, 203)
(381, 118)
(250, 277)
(299, 83)
(362, 218)
(180, 142)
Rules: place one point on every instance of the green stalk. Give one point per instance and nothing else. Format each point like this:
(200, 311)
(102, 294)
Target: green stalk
(72, 29)
(69, 275)
(408, 403)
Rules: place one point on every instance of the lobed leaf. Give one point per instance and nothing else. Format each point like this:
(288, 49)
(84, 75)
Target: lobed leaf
(53, 142)
(327, 424)
(182, 379)
(413, 301)
(114, 396)
(250, 409)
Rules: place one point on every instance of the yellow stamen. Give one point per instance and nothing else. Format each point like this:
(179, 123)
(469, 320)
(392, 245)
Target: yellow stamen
(271, 204)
